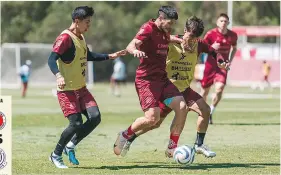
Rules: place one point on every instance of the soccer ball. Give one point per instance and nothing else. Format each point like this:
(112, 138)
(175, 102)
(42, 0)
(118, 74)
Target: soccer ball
(184, 154)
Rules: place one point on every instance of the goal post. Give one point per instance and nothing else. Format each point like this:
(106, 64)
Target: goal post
(13, 55)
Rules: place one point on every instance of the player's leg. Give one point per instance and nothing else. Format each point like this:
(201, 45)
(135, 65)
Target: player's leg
(24, 85)
(164, 111)
(177, 103)
(149, 102)
(151, 117)
(75, 122)
(112, 85)
(205, 92)
(197, 104)
(267, 82)
(92, 113)
(219, 82)
(207, 81)
(117, 88)
(72, 112)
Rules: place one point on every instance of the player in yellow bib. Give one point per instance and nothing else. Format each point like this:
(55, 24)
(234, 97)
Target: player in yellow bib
(68, 62)
(180, 65)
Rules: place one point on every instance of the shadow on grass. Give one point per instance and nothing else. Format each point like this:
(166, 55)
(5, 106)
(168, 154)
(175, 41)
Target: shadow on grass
(168, 165)
(246, 124)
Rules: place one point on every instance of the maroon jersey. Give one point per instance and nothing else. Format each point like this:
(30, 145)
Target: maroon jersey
(155, 46)
(226, 41)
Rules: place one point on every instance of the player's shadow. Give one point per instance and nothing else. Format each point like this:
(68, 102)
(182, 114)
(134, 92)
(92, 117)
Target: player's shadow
(168, 165)
(246, 124)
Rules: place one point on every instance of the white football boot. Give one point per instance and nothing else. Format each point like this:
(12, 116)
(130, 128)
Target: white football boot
(203, 149)
(57, 161)
(119, 144)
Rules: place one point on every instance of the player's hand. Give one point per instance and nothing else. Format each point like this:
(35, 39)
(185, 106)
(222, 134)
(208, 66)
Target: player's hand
(60, 81)
(117, 54)
(216, 45)
(138, 53)
(224, 64)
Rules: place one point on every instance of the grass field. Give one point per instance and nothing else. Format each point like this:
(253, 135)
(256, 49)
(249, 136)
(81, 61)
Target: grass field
(245, 136)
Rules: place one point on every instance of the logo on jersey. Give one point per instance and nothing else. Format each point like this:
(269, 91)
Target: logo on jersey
(3, 162)
(182, 56)
(2, 120)
(175, 76)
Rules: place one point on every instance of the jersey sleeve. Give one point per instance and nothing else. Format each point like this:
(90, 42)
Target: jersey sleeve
(144, 33)
(62, 44)
(204, 47)
(208, 37)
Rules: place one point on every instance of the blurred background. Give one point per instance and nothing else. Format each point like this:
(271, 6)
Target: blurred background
(36, 25)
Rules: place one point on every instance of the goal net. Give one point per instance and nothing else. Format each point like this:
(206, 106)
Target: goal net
(13, 55)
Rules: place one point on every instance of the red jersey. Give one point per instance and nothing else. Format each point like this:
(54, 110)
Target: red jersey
(226, 41)
(155, 46)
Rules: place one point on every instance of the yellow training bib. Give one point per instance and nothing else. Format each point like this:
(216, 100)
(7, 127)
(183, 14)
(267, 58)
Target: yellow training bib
(180, 66)
(74, 73)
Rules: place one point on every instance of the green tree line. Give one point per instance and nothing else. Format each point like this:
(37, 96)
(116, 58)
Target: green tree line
(116, 23)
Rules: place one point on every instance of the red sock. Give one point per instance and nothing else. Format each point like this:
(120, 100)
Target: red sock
(173, 143)
(128, 133)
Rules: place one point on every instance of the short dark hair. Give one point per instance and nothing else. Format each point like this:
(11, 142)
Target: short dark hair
(224, 15)
(169, 12)
(195, 26)
(82, 12)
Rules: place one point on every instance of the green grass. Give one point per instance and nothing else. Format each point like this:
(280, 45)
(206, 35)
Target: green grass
(245, 136)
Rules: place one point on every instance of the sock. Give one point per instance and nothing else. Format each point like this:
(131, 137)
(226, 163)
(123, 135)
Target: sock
(128, 133)
(173, 143)
(212, 108)
(133, 137)
(200, 138)
(70, 145)
(58, 150)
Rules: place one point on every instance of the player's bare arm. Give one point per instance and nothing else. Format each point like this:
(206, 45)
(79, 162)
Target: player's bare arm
(117, 54)
(175, 39)
(232, 53)
(132, 48)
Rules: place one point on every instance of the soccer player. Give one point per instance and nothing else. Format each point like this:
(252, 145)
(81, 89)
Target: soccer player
(152, 84)
(24, 74)
(266, 71)
(68, 62)
(118, 76)
(180, 65)
(225, 41)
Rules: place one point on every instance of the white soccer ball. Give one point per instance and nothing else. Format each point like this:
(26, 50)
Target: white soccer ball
(184, 154)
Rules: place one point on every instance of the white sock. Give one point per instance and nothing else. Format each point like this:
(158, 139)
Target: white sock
(70, 145)
(212, 108)
(54, 155)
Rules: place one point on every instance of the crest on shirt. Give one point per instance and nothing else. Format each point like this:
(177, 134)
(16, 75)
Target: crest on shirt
(182, 56)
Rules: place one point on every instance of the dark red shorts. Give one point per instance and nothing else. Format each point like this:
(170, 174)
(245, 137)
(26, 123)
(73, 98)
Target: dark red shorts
(265, 78)
(152, 92)
(212, 75)
(75, 101)
(190, 97)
